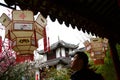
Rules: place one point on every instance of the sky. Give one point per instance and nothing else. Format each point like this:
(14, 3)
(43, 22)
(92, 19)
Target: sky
(54, 30)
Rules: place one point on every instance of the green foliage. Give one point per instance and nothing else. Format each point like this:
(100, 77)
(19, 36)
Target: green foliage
(54, 74)
(107, 69)
(118, 50)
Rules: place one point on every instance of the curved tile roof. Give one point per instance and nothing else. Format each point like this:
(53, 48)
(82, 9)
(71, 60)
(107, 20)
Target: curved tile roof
(60, 43)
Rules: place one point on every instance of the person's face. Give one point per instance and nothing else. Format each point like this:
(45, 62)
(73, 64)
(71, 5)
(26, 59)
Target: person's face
(77, 63)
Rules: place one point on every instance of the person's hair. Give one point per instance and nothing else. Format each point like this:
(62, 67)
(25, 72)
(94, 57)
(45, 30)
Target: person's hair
(83, 55)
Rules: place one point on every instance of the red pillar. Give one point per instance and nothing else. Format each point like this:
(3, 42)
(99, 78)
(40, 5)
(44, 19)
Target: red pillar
(9, 38)
(0, 44)
(35, 38)
(45, 39)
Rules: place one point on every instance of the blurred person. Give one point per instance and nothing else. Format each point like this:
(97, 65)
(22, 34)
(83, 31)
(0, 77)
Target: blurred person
(81, 70)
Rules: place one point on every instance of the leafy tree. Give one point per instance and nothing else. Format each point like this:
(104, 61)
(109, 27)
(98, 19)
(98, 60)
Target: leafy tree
(7, 58)
(54, 74)
(118, 49)
(107, 69)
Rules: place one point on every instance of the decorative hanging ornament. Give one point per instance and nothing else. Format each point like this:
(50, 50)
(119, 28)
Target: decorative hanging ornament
(97, 48)
(23, 31)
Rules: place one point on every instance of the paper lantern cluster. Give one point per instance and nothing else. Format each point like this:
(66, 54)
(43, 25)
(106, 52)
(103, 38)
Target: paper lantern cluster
(97, 48)
(23, 31)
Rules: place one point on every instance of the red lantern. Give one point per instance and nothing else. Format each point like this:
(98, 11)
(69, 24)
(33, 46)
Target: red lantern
(23, 58)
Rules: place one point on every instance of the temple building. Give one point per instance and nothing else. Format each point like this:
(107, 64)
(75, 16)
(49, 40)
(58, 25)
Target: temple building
(58, 56)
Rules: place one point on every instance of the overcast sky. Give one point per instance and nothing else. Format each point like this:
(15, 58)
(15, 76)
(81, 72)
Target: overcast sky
(55, 30)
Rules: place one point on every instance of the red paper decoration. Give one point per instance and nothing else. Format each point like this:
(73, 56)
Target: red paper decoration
(0, 44)
(23, 58)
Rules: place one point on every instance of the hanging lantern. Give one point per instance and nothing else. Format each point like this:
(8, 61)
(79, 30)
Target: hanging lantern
(96, 44)
(105, 43)
(97, 55)
(23, 31)
(87, 46)
(97, 48)
(4, 20)
(23, 58)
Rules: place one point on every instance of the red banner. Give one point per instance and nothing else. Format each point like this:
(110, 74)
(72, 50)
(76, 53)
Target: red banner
(0, 44)
(45, 40)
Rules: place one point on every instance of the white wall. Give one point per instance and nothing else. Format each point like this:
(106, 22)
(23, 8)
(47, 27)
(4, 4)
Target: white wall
(57, 52)
(60, 54)
(45, 57)
(63, 52)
